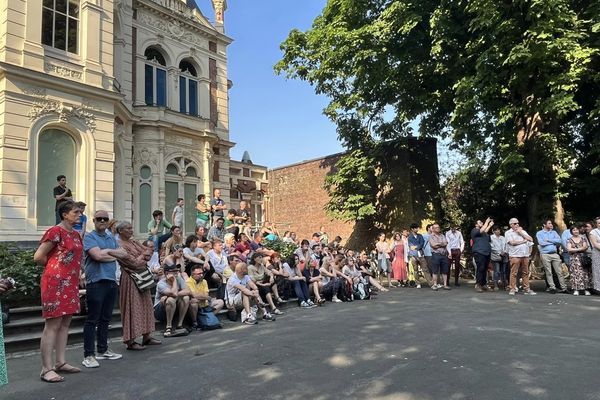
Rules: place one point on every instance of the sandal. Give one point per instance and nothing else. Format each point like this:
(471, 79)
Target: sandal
(56, 379)
(151, 342)
(168, 332)
(66, 368)
(135, 346)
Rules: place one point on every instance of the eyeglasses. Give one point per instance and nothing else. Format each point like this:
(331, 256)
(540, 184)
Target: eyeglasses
(102, 219)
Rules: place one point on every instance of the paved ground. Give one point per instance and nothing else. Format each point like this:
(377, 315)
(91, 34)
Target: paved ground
(408, 344)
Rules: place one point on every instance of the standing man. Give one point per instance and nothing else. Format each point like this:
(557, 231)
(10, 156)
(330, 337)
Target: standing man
(439, 257)
(427, 247)
(217, 205)
(61, 193)
(482, 250)
(101, 290)
(177, 216)
(456, 246)
(549, 242)
(518, 243)
(415, 253)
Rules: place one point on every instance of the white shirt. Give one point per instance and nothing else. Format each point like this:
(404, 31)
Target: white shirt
(521, 250)
(455, 240)
(498, 244)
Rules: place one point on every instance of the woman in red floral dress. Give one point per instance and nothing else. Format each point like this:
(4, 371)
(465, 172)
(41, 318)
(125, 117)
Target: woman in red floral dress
(60, 252)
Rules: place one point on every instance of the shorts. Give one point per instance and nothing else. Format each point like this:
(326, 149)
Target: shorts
(263, 291)
(439, 264)
(384, 264)
(235, 301)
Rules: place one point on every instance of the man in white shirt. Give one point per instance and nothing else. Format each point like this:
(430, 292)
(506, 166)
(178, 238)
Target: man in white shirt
(241, 292)
(456, 246)
(518, 244)
(177, 216)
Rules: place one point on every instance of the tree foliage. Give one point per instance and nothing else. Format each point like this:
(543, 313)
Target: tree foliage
(511, 82)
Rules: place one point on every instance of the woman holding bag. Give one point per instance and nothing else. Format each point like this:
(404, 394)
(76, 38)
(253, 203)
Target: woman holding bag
(137, 311)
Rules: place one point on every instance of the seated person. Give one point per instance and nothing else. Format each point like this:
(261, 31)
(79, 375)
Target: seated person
(352, 272)
(269, 231)
(281, 277)
(313, 278)
(172, 298)
(265, 282)
(176, 238)
(364, 268)
(298, 282)
(176, 259)
(199, 295)
(154, 263)
(218, 262)
(243, 247)
(200, 233)
(229, 223)
(330, 284)
(346, 282)
(229, 244)
(192, 254)
(217, 231)
(241, 293)
(256, 245)
(304, 253)
(315, 239)
(156, 229)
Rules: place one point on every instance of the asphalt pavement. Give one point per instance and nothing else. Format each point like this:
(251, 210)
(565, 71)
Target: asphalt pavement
(408, 344)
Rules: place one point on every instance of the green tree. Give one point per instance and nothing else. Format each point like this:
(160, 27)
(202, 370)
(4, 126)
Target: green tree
(516, 82)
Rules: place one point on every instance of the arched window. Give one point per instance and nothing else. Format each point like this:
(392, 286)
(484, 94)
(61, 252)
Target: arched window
(191, 172)
(188, 88)
(145, 207)
(57, 155)
(172, 170)
(155, 78)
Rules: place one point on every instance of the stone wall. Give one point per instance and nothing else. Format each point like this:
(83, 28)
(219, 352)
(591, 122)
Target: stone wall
(296, 198)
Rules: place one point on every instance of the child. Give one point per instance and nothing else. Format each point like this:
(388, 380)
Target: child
(81, 224)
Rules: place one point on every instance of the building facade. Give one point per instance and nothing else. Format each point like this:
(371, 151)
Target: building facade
(127, 98)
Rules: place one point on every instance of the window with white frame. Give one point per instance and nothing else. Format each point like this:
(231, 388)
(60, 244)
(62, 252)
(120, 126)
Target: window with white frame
(155, 78)
(188, 88)
(60, 24)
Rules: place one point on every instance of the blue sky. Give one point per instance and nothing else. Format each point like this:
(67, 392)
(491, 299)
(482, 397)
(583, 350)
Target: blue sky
(278, 121)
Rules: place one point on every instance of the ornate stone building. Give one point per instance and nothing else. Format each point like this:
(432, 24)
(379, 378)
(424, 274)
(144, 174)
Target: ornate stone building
(127, 98)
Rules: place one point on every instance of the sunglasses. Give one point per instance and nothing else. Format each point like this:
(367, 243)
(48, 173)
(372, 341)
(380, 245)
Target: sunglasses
(102, 219)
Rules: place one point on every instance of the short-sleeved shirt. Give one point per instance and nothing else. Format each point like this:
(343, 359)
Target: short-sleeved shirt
(292, 272)
(198, 288)
(164, 285)
(58, 191)
(521, 250)
(217, 202)
(80, 226)
(308, 274)
(178, 220)
(96, 271)
(481, 242)
(427, 245)
(218, 261)
(257, 273)
(351, 272)
(215, 232)
(162, 225)
(233, 280)
(438, 239)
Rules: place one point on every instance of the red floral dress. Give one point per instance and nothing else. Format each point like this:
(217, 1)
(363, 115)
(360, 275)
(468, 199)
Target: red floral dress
(60, 279)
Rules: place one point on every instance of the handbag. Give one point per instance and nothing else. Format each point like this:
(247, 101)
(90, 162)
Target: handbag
(207, 320)
(586, 261)
(143, 280)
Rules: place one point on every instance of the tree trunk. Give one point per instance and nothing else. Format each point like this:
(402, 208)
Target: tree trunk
(559, 215)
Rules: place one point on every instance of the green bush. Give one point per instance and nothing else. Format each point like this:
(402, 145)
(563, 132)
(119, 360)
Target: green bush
(18, 264)
(284, 249)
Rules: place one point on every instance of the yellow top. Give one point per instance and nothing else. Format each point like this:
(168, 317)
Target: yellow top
(198, 288)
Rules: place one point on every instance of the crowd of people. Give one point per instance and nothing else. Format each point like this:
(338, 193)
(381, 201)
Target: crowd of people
(251, 281)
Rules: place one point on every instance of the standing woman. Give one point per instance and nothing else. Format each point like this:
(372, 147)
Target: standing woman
(383, 257)
(580, 276)
(202, 212)
(399, 265)
(4, 286)
(595, 243)
(137, 310)
(60, 253)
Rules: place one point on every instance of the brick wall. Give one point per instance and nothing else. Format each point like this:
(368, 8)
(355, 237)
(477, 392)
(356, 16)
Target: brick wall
(296, 198)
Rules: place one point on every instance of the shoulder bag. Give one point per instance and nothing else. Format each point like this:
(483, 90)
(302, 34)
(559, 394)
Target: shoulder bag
(143, 280)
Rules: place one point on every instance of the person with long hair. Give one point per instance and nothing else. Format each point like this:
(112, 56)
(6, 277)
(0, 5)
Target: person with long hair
(60, 252)
(383, 257)
(398, 264)
(577, 246)
(202, 212)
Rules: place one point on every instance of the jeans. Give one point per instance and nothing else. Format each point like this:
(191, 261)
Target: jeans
(301, 290)
(100, 299)
(501, 271)
(481, 261)
(455, 259)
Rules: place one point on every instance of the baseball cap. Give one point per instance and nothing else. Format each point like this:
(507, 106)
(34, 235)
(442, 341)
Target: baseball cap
(513, 221)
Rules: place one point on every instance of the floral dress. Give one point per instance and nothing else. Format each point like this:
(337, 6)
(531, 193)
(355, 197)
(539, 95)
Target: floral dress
(580, 277)
(60, 279)
(3, 376)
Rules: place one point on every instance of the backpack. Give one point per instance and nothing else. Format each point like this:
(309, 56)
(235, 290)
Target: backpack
(361, 291)
(207, 320)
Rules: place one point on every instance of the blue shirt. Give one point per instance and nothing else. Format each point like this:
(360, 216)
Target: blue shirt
(548, 240)
(566, 235)
(418, 242)
(427, 247)
(80, 226)
(96, 271)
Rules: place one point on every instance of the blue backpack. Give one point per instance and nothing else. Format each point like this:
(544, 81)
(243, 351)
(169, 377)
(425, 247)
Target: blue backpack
(207, 320)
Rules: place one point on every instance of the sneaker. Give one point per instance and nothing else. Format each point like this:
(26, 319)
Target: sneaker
(310, 303)
(512, 293)
(250, 321)
(587, 293)
(278, 312)
(90, 362)
(575, 292)
(268, 317)
(530, 292)
(478, 289)
(551, 290)
(335, 300)
(109, 355)
(418, 286)
(304, 305)
(435, 288)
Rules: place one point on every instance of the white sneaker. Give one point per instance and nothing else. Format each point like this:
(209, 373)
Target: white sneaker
(530, 292)
(304, 305)
(310, 302)
(418, 286)
(587, 293)
(575, 292)
(109, 355)
(335, 300)
(90, 362)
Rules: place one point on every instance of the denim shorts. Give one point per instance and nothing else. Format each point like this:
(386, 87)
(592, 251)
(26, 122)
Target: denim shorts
(384, 264)
(439, 264)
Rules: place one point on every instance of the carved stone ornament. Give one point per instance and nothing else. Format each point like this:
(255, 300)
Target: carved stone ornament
(64, 112)
(62, 71)
(173, 29)
(144, 156)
